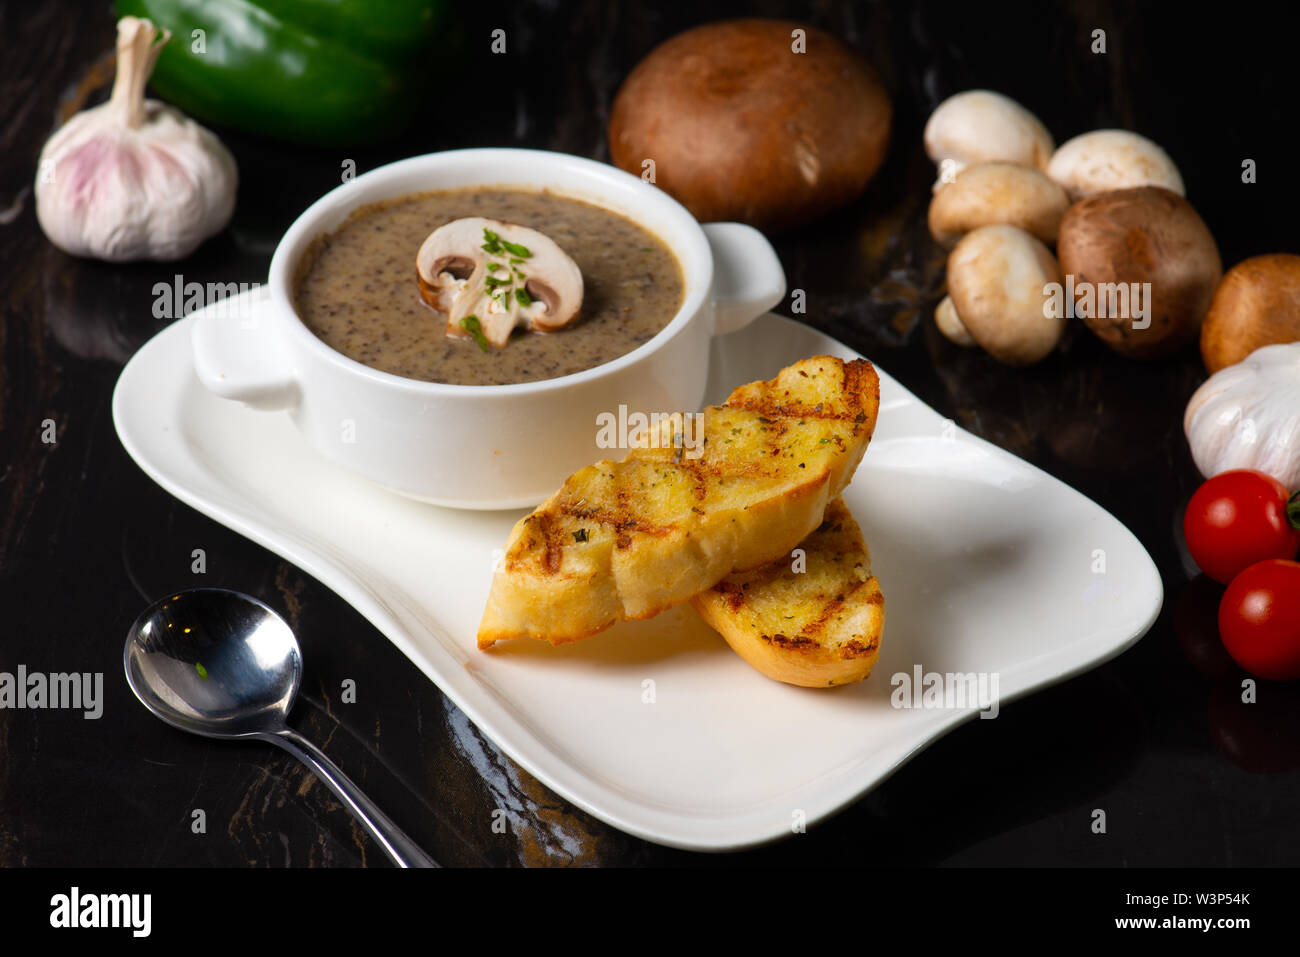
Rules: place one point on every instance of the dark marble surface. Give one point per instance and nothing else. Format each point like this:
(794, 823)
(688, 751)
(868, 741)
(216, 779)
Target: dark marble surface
(1188, 776)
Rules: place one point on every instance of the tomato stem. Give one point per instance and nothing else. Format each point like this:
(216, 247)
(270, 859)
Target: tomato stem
(1293, 510)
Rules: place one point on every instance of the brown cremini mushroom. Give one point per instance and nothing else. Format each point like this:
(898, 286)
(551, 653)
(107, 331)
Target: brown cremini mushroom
(488, 277)
(760, 121)
(1257, 304)
(997, 276)
(986, 194)
(1141, 266)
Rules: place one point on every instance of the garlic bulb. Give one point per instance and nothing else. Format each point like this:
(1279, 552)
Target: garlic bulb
(134, 178)
(1247, 416)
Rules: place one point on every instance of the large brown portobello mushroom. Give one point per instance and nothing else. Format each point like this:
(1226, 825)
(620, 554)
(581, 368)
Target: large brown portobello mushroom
(1135, 236)
(742, 127)
(1256, 305)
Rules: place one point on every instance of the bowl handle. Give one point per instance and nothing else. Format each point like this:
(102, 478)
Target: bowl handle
(747, 276)
(238, 354)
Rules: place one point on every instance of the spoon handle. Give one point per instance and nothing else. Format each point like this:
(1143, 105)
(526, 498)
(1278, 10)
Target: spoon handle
(404, 851)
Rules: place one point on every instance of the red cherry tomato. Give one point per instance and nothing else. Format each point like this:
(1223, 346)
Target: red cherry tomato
(1236, 519)
(1259, 619)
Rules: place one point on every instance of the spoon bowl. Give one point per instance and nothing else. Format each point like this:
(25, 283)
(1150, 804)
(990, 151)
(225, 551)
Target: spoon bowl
(214, 662)
(222, 664)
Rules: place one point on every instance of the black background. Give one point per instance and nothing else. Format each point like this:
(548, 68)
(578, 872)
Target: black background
(1157, 738)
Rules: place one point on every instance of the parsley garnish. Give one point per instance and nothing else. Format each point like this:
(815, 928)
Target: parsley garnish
(500, 290)
(475, 328)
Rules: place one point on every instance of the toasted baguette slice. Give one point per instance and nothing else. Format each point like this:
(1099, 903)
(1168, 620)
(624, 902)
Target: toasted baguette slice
(629, 539)
(813, 620)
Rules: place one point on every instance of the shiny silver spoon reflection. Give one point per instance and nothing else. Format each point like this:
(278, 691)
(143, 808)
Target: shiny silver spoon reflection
(221, 664)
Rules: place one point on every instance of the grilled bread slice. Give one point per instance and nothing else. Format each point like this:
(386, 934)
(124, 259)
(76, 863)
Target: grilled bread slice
(813, 619)
(629, 539)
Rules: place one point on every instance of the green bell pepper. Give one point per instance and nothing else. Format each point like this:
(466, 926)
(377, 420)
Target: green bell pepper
(314, 72)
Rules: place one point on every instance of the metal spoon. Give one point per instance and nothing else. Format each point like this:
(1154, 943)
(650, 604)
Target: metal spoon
(221, 664)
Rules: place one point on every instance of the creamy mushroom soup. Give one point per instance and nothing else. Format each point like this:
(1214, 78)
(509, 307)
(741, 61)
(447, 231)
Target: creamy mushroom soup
(357, 288)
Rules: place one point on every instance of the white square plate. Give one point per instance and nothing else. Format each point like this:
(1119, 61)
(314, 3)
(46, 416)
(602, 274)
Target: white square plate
(988, 565)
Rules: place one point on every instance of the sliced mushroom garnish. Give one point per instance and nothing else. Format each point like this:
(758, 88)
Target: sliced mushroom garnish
(488, 277)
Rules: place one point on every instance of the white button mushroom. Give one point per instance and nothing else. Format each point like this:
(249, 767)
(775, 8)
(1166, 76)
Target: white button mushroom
(996, 281)
(985, 194)
(980, 126)
(950, 324)
(1106, 160)
(490, 276)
